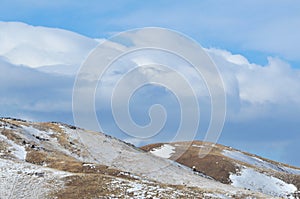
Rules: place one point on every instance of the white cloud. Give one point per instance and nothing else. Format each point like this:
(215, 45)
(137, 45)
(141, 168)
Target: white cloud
(32, 46)
(233, 58)
(275, 85)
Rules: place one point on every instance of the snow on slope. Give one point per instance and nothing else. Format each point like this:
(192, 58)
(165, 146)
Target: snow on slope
(165, 151)
(23, 180)
(22, 44)
(17, 150)
(36, 133)
(251, 179)
(236, 155)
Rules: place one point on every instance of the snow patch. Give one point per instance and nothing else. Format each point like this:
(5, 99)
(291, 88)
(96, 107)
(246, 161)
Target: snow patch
(198, 146)
(42, 135)
(250, 179)
(135, 187)
(165, 151)
(216, 195)
(17, 150)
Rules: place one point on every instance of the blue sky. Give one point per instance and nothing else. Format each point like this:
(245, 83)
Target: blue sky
(267, 33)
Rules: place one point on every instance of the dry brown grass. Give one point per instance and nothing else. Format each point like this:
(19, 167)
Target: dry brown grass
(213, 164)
(3, 146)
(11, 135)
(84, 187)
(53, 160)
(4, 152)
(66, 163)
(289, 178)
(15, 122)
(46, 126)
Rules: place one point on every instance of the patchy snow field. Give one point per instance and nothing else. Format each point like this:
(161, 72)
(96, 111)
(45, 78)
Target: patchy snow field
(141, 190)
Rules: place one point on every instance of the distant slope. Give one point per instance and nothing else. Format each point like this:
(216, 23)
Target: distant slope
(67, 162)
(231, 166)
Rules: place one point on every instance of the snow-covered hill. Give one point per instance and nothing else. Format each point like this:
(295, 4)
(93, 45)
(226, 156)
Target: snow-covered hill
(58, 160)
(234, 167)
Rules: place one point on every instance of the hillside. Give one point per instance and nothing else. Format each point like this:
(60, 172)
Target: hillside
(231, 166)
(54, 160)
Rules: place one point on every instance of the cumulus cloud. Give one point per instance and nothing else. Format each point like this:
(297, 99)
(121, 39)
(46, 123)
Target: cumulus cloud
(257, 83)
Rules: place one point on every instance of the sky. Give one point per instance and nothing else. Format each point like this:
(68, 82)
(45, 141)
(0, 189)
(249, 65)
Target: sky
(255, 43)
